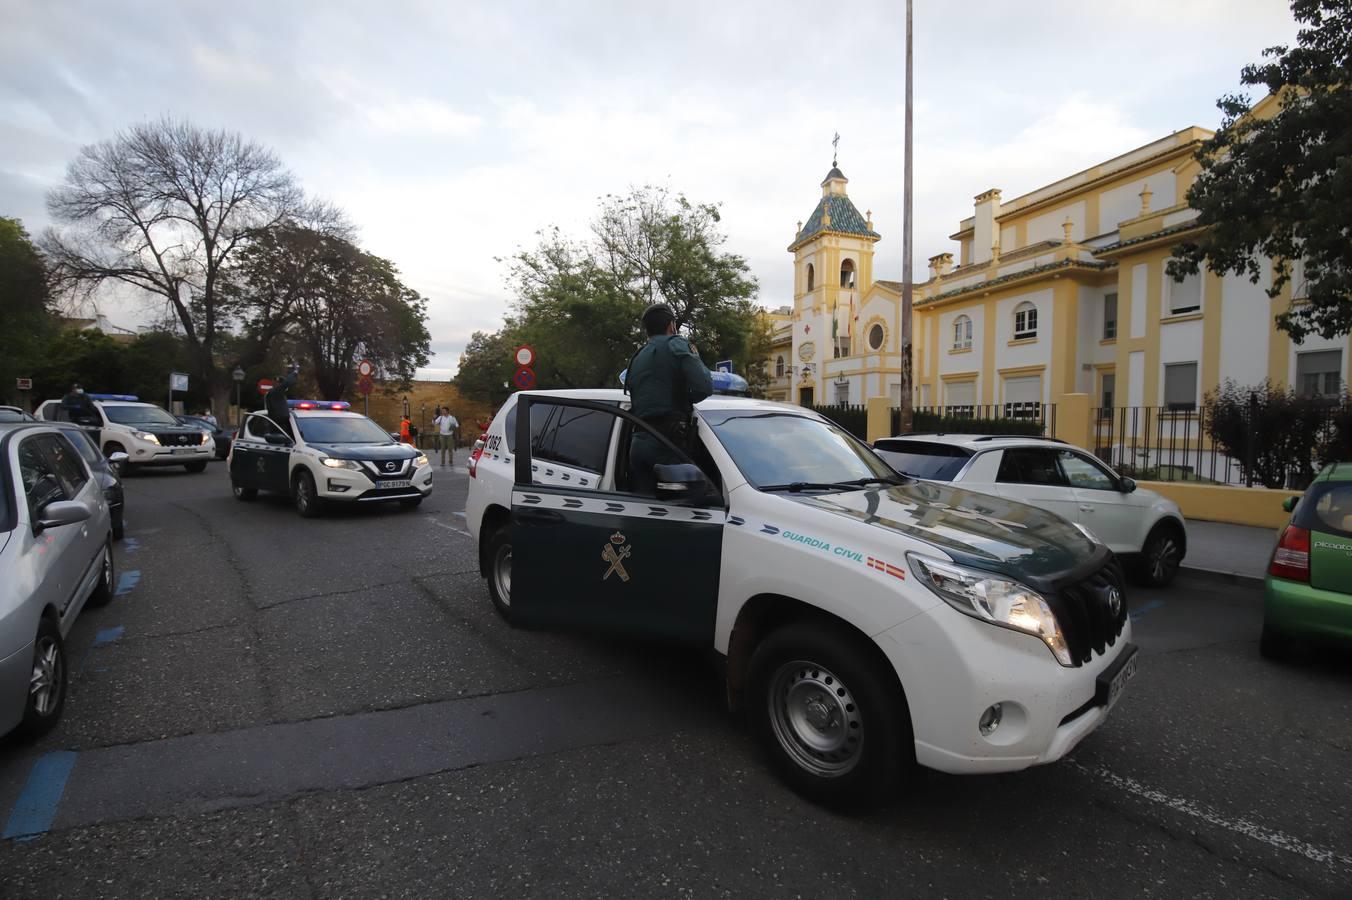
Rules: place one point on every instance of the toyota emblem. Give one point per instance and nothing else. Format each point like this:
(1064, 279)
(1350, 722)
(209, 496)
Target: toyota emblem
(1114, 601)
(390, 466)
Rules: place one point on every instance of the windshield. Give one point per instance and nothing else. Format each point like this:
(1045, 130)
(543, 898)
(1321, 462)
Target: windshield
(779, 449)
(348, 429)
(936, 462)
(138, 415)
(14, 415)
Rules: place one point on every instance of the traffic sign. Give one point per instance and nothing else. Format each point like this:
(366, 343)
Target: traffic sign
(365, 385)
(524, 378)
(723, 365)
(24, 384)
(366, 368)
(524, 356)
(264, 385)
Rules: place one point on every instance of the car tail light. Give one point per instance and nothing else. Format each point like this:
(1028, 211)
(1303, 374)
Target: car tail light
(1291, 559)
(474, 459)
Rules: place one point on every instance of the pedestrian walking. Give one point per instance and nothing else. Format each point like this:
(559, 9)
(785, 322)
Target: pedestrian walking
(446, 424)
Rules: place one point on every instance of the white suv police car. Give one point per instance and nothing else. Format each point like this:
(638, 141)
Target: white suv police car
(868, 621)
(145, 432)
(325, 454)
(1145, 530)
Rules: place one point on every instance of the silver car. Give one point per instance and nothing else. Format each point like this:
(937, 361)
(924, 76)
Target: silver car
(56, 555)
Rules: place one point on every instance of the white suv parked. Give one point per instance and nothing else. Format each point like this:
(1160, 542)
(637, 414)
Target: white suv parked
(1140, 526)
(145, 432)
(868, 621)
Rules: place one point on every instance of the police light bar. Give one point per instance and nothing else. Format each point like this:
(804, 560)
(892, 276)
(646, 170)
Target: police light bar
(126, 398)
(319, 404)
(728, 383)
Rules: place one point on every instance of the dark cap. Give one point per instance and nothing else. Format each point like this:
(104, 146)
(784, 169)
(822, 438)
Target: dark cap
(657, 317)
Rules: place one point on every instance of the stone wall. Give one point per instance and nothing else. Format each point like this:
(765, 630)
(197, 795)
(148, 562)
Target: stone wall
(422, 398)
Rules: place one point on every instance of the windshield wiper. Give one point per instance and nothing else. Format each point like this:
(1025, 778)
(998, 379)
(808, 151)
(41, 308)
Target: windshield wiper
(798, 486)
(877, 479)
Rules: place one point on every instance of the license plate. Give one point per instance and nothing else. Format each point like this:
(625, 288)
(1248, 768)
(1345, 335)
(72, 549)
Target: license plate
(182, 449)
(396, 484)
(1111, 684)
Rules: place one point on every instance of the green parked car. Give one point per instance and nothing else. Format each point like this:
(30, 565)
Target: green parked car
(1308, 589)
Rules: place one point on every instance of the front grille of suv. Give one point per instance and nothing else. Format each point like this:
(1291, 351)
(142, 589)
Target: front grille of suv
(1085, 611)
(181, 438)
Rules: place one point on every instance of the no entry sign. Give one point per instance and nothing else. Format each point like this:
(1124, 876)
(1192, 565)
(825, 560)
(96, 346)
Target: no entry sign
(264, 385)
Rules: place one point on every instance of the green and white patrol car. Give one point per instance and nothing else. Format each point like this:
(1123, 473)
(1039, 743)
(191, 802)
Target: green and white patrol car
(326, 455)
(867, 621)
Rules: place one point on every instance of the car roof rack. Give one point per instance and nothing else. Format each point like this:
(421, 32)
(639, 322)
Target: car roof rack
(1017, 437)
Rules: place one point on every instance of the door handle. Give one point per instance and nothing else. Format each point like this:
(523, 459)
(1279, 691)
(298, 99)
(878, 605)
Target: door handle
(1086, 509)
(540, 517)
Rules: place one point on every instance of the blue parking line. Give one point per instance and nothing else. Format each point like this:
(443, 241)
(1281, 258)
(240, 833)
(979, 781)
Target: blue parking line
(130, 545)
(1145, 608)
(108, 635)
(126, 581)
(36, 807)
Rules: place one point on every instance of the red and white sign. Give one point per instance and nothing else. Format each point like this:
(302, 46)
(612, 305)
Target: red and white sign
(366, 368)
(24, 384)
(265, 385)
(365, 385)
(524, 356)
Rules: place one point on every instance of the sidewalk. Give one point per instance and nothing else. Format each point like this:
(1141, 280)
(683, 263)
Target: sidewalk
(1232, 550)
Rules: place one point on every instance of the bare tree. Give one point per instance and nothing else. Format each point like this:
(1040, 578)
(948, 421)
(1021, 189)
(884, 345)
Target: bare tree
(162, 206)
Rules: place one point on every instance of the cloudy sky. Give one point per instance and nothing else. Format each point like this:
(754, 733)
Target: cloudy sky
(452, 132)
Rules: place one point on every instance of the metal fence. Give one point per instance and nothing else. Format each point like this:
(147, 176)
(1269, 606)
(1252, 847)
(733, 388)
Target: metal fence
(1218, 445)
(850, 416)
(1032, 419)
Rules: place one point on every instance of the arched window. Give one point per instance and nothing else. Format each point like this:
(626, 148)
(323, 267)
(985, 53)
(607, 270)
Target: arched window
(962, 333)
(1025, 321)
(779, 367)
(847, 274)
(811, 277)
(876, 335)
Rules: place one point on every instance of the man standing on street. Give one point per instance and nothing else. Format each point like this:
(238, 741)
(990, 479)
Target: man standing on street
(446, 425)
(666, 379)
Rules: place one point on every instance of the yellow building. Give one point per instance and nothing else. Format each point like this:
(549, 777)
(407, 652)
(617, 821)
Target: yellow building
(1061, 290)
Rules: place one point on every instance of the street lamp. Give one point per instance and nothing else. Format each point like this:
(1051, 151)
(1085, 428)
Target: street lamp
(238, 375)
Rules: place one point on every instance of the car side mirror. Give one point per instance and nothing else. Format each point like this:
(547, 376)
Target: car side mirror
(1289, 504)
(278, 440)
(681, 481)
(62, 512)
(118, 460)
(1127, 485)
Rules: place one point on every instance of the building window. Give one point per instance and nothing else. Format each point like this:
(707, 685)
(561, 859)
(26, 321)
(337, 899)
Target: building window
(1319, 374)
(962, 333)
(959, 398)
(1107, 393)
(811, 277)
(1184, 296)
(876, 335)
(1025, 321)
(847, 274)
(779, 367)
(1023, 397)
(1110, 317)
(1180, 387)
(842, 393)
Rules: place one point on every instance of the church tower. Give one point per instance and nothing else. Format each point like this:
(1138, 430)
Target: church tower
(833, 270)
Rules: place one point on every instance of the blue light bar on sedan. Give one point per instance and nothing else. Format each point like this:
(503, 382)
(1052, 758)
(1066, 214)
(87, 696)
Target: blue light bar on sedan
(319, 404)
(125, 398)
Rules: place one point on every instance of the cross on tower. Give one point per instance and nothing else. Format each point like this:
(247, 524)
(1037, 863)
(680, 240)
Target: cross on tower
(835, 148)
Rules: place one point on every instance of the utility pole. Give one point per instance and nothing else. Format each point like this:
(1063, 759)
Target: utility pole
(905, 325)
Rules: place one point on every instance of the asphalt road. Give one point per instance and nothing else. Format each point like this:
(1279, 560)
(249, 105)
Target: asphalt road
(282, 707)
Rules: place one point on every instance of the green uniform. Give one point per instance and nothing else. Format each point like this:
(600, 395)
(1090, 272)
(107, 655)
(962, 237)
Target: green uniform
(665, 379)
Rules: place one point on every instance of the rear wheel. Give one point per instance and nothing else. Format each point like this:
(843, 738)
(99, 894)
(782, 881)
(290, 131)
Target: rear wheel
(199, 466)
(46, 684)
(499, 555)
(829, 715)
(104, 590)
(243, 493)
(306, 497)
(1161, 556)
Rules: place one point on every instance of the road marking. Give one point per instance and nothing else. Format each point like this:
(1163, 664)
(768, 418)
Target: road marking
(1145, 608)
(127, 581)
(460, 513)
(108, 635)
(1275, 839)
(130, 545)
(449, 527)
(36, 807)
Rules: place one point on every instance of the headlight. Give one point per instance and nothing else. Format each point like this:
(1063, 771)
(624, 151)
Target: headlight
(994, 600)
(420, 460)
(147, 437)
(341, 463)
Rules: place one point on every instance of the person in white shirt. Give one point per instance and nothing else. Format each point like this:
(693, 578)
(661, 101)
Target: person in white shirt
(209, 418)
(446, 424)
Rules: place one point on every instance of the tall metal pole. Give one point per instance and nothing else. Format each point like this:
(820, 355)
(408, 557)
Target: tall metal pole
(905, 329)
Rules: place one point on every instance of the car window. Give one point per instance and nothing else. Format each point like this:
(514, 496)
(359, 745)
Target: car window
(783, 448)
(41, 485)
(138, 415)
(342, 429)
(1030, 465)
(1081, 472)
(937, 462)
(67, 463)
(259, 427)
(566, 434)
(1327, 507)
(84, 444)
(14, 415)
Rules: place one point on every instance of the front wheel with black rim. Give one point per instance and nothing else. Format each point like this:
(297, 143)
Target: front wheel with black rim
(245, 494)
(498, 553)
(1161, 556)
(46, 683)
(830, 716)
(306, 497)
(106, 587)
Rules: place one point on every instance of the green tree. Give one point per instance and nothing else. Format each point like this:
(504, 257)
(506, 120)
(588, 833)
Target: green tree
(92, 358)
(1280, 187)
(486, 366)
(25, 306)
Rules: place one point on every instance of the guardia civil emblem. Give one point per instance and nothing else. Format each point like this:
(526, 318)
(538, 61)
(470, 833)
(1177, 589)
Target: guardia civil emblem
(615, 553)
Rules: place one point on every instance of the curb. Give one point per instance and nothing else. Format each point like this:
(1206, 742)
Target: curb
(1217, 575)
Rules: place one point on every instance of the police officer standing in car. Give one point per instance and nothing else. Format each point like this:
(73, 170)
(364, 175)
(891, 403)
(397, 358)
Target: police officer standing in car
(665, 379)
